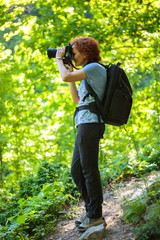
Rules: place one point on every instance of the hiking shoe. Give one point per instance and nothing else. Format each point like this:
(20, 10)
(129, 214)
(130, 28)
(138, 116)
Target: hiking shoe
(80, 220)
(89, 222)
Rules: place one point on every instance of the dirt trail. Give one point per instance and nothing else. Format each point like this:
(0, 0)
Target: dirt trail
(113, 197)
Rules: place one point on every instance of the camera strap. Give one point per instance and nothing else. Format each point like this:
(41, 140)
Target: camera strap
(74, 65)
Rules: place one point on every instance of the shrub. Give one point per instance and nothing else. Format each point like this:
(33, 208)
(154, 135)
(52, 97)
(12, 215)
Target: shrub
(31, 211)
(144, 213)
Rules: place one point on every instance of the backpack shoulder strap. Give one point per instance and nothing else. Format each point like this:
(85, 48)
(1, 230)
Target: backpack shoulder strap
(92, 93)
(90, 89)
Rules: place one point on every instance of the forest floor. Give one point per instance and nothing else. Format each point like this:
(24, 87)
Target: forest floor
(114, 196)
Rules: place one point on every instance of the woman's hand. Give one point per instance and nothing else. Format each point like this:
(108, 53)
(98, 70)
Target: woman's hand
(60, 52)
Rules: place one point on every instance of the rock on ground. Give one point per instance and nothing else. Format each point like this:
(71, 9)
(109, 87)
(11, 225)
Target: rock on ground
(94, 233)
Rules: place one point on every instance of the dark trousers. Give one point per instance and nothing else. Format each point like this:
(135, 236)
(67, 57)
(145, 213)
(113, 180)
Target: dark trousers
(84, 167)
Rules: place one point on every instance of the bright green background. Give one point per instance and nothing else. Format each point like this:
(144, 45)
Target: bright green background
(35, 106)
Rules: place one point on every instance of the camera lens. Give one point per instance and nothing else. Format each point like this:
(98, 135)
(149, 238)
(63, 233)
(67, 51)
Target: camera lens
(51, 52)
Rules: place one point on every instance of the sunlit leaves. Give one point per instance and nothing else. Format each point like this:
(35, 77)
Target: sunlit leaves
(37, 107)
(21, 219)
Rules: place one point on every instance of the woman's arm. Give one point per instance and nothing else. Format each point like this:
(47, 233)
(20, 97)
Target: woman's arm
(73, 89)
(66, 74)
(74, 92)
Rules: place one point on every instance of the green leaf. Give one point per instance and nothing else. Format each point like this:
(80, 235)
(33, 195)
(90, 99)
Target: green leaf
(21, 219)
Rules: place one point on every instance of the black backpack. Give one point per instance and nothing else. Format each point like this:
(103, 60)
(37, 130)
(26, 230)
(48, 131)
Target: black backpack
(117, 100)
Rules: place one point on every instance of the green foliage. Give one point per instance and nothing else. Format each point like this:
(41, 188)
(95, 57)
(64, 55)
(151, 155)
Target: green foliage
(144, 213)
(134, 150)
(134, 211)
(36, 108)
(150, 155)
(32, 210)
(47, 173)
(150, 230)
(116, 168)
(35, 104)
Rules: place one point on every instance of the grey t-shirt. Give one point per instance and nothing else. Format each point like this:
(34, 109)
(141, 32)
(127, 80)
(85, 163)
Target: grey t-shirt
(96, 77)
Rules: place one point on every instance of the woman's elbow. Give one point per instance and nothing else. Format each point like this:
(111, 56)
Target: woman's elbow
(76, 101)
(66, 78)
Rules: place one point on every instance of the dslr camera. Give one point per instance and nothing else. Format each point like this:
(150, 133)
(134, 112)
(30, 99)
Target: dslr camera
(51, 52)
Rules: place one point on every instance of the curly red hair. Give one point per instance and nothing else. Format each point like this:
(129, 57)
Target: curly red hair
(88, 46)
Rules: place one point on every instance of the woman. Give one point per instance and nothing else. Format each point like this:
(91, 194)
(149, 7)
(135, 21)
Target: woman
(84, 169)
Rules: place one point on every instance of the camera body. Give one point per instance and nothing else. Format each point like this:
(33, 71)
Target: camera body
(51, 52)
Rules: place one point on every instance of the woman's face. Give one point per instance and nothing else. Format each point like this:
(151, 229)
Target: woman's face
(80, 59)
